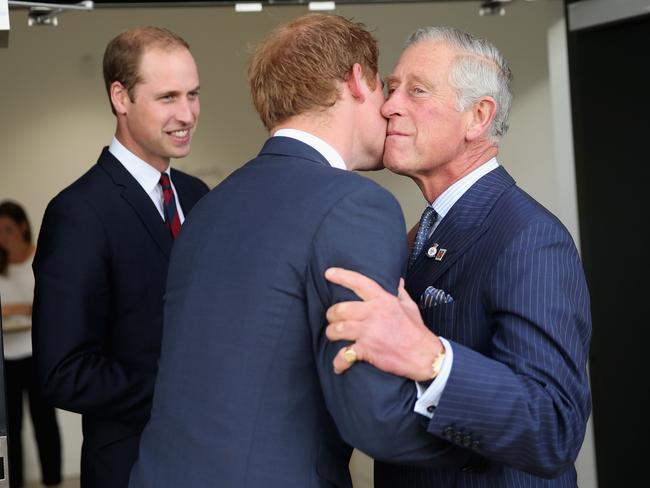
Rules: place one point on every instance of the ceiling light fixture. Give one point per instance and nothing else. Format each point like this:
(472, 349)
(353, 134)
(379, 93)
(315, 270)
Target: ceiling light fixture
(41, 13)
(320, 6)
(248, 7)
(492, 7)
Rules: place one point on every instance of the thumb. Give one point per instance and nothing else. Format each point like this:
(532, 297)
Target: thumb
(408, 305)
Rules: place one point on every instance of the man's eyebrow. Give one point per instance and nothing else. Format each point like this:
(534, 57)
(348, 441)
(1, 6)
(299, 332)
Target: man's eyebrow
(175, 93)
(167, 93)
(390, 79)
(423, 81)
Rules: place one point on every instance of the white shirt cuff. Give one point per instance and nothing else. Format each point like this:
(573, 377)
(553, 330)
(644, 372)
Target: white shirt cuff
(429, 398)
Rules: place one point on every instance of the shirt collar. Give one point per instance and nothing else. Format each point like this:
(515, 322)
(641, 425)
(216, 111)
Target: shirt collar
(328, 152)
(143, 172)
(451, 195)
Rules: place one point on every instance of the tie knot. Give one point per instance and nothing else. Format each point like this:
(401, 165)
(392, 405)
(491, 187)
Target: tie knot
(426, 221)
(428, 216)
(165, 182)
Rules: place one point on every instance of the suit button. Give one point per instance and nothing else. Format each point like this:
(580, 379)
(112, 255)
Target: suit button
(458, 438)
(476, 445)
(467, 441)
(449, 433)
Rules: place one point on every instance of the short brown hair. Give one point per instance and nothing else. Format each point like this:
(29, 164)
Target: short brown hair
(295, 69)
(124, 52)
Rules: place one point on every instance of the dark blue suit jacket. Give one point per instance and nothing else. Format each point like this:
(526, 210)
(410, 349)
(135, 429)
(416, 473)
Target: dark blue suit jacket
(246, 395)
(100, 268)
(518, 395)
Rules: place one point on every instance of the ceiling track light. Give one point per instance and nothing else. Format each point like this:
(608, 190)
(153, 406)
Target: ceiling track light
(492, 7)
(41, 13)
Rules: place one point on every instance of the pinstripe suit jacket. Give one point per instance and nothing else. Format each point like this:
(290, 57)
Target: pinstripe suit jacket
(517, 397)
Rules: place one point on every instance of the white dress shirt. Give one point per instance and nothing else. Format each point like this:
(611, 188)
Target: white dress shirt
(146, 175)
(428, 399)
(327, 151)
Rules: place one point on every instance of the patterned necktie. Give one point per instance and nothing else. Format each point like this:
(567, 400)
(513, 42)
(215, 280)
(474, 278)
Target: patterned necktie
(426, 221)
(172, 219)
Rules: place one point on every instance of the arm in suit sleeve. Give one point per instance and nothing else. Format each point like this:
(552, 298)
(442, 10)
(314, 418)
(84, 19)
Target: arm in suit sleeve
(373, 410)
(527, 404)
(72, 312)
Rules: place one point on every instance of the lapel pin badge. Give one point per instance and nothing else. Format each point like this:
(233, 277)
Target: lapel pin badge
(440, 254)
(431, 252)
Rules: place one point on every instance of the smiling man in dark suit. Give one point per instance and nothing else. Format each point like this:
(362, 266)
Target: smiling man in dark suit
(246, 395)
(103, 251)
(502, 367)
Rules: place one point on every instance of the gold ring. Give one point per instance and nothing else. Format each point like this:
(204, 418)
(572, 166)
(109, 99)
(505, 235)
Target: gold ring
(350, 355)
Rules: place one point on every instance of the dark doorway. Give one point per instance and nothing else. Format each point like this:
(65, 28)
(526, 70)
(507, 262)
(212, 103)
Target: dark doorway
(610, 105)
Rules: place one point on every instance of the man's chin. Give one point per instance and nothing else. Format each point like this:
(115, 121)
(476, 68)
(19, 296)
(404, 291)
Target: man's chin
(179, 153)
(394, 166)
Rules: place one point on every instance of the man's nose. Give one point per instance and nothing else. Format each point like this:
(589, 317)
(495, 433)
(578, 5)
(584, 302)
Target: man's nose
(187, 111)
(392, 105)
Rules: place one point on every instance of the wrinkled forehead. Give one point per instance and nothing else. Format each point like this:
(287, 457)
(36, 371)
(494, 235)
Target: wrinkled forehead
(425, 61)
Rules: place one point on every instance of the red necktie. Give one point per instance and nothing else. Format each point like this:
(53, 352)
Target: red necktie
(172, 220)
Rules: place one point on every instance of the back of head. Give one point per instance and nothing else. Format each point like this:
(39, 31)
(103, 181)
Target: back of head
(296, 68)
(124, 52)
(479, 70)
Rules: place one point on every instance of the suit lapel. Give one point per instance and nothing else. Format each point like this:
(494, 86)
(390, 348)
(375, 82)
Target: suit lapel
(139, 201)
(185, 196)
(465, 222)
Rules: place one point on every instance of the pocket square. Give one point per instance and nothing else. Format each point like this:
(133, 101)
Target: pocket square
(432, 297)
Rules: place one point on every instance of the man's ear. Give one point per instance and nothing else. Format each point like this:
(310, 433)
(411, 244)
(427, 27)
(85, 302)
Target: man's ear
(357, 84)
(481, 115)
(119, 97)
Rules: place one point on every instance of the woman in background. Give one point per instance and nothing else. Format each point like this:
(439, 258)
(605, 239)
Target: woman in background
(16, 295)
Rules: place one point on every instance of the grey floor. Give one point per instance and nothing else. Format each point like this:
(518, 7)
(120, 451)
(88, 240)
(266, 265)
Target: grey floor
(69, 483)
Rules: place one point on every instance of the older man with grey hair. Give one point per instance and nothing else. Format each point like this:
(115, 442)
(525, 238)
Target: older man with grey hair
(500, 365)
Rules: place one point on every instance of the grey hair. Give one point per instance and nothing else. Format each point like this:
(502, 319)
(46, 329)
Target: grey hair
(480, 71)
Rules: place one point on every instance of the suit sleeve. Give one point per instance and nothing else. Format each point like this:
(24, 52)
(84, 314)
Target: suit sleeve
(373, 410)
(72, 311)
(526, 403)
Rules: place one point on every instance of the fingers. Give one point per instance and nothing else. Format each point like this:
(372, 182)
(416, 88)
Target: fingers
(364, 287)
(341, 363)
(347, 330)
(347, 311)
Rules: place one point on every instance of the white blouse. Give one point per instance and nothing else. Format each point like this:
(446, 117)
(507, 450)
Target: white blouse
(17, 286)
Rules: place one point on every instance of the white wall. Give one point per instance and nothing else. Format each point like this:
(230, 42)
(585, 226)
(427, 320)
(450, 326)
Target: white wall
(55, 115)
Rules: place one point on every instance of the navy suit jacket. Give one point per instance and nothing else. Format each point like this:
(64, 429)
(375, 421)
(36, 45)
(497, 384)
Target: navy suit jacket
(518, 394)
(100, 268)
(246, 396)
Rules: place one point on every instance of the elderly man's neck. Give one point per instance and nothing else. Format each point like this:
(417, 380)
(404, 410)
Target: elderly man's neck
(434, 182)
